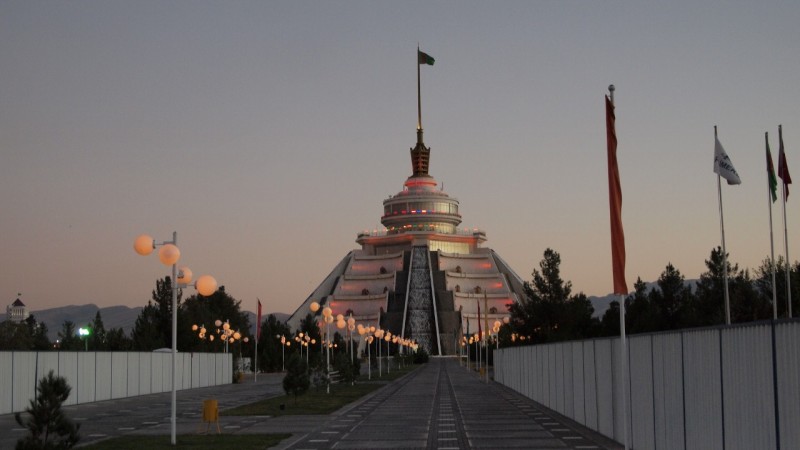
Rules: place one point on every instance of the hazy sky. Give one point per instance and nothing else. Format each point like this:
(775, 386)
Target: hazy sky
(268, 134)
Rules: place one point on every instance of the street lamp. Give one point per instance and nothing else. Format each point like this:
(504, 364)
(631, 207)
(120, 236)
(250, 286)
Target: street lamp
(84, 333)
(169, 254)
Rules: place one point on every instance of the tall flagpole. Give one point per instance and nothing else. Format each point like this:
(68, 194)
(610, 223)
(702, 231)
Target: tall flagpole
(419, 102)
(770, 173)
(612, 134)
(724, 252)
(782, 163)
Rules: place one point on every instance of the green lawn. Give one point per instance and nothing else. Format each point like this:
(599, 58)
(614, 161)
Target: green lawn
(215, 441)
(316, 400)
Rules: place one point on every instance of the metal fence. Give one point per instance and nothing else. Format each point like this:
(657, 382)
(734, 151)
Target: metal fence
(720, 388)
(96, 376)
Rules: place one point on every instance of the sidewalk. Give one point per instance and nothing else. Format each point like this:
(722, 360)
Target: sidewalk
(441, 405)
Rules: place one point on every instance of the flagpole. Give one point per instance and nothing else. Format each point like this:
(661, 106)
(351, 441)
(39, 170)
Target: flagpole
(419, 102)
(782, 160)
(255, 356)
(623, 344)
(771, 234)
(724, 252)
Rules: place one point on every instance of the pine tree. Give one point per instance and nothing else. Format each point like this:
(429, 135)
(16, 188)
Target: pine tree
(49, 427)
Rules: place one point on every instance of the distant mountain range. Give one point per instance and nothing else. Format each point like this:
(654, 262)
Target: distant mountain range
(113, 317)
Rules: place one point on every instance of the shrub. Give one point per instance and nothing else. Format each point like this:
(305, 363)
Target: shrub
(296, 381)
(49, 427)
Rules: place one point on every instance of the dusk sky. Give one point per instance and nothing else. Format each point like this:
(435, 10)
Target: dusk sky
(267, 134)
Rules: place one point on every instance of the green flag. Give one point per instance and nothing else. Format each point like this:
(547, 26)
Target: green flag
(424, 58)
(773, 181)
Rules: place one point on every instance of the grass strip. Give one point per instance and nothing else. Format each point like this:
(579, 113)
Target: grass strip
(215, 441)
(316, 400)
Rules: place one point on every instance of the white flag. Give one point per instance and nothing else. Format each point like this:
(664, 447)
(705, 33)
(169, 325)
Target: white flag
(723, 165)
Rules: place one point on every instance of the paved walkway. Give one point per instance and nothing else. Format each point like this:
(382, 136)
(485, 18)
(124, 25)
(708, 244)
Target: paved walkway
(445, 406)
(442, 405)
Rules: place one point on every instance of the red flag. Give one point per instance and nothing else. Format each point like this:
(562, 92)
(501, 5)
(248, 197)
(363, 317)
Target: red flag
(480, 333)
(783, 169)
(258, 326)
(615, 204)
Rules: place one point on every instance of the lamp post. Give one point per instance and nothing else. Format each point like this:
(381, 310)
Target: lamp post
(283, 356)
(169, 254)
(84, 333)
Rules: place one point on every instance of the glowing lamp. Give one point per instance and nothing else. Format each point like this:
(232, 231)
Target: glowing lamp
(339, 317)
(184, 275)
(327, 312)
(328, 319)
(506, 319)
(314, 307)
(237, 335)
(203, 330)
(246, 340)
(211, 337)
(231, 340)
(169, 254)
(226, 326)
(351, 327)
(361, 331)
(340, 324)
(144, 245)
(497, 324)
(194, 327)
(206, 285)
(351, 321)
(217, 323)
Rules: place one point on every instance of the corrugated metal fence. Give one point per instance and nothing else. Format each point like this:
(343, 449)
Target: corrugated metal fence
(96, 376)
(722, 388)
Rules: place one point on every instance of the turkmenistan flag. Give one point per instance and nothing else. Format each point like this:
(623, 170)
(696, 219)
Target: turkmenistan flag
(773, 180)
(424, 58)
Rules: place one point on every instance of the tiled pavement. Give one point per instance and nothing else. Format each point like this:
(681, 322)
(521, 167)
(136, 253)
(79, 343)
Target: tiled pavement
(444, 406)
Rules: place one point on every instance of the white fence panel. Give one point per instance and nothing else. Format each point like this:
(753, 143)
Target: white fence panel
(134, 383)
(559, 372)
(641, 400)
(787, 351)
(85, 386)
(578, 384)
(68, 368)
(102, 373)
(703, 390)
(145, 373)
(568, 388)
(605, 386)
(590, 386)
(748, 394)
(119, 375)
(24, 364)
(6, 373)
(668, 391)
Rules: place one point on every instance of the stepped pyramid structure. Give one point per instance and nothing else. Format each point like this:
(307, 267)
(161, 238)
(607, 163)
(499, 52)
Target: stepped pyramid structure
(423, 277)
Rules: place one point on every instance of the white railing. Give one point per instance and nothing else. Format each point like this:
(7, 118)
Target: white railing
(719, 388)
(97, 376)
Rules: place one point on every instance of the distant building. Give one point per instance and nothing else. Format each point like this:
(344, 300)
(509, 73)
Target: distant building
(421, 277)
(17, 311)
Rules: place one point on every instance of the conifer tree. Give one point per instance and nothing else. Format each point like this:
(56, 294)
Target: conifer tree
(49, 427)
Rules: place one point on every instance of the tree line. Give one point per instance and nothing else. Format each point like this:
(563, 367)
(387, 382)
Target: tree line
(152, 329)
(550, 312)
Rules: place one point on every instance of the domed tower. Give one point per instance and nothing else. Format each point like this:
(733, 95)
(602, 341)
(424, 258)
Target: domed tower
(422, 278)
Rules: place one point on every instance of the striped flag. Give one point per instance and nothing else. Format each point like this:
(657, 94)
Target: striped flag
(615, 204)
(773, 182)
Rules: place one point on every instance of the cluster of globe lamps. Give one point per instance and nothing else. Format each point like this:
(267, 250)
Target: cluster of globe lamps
(206, 285)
